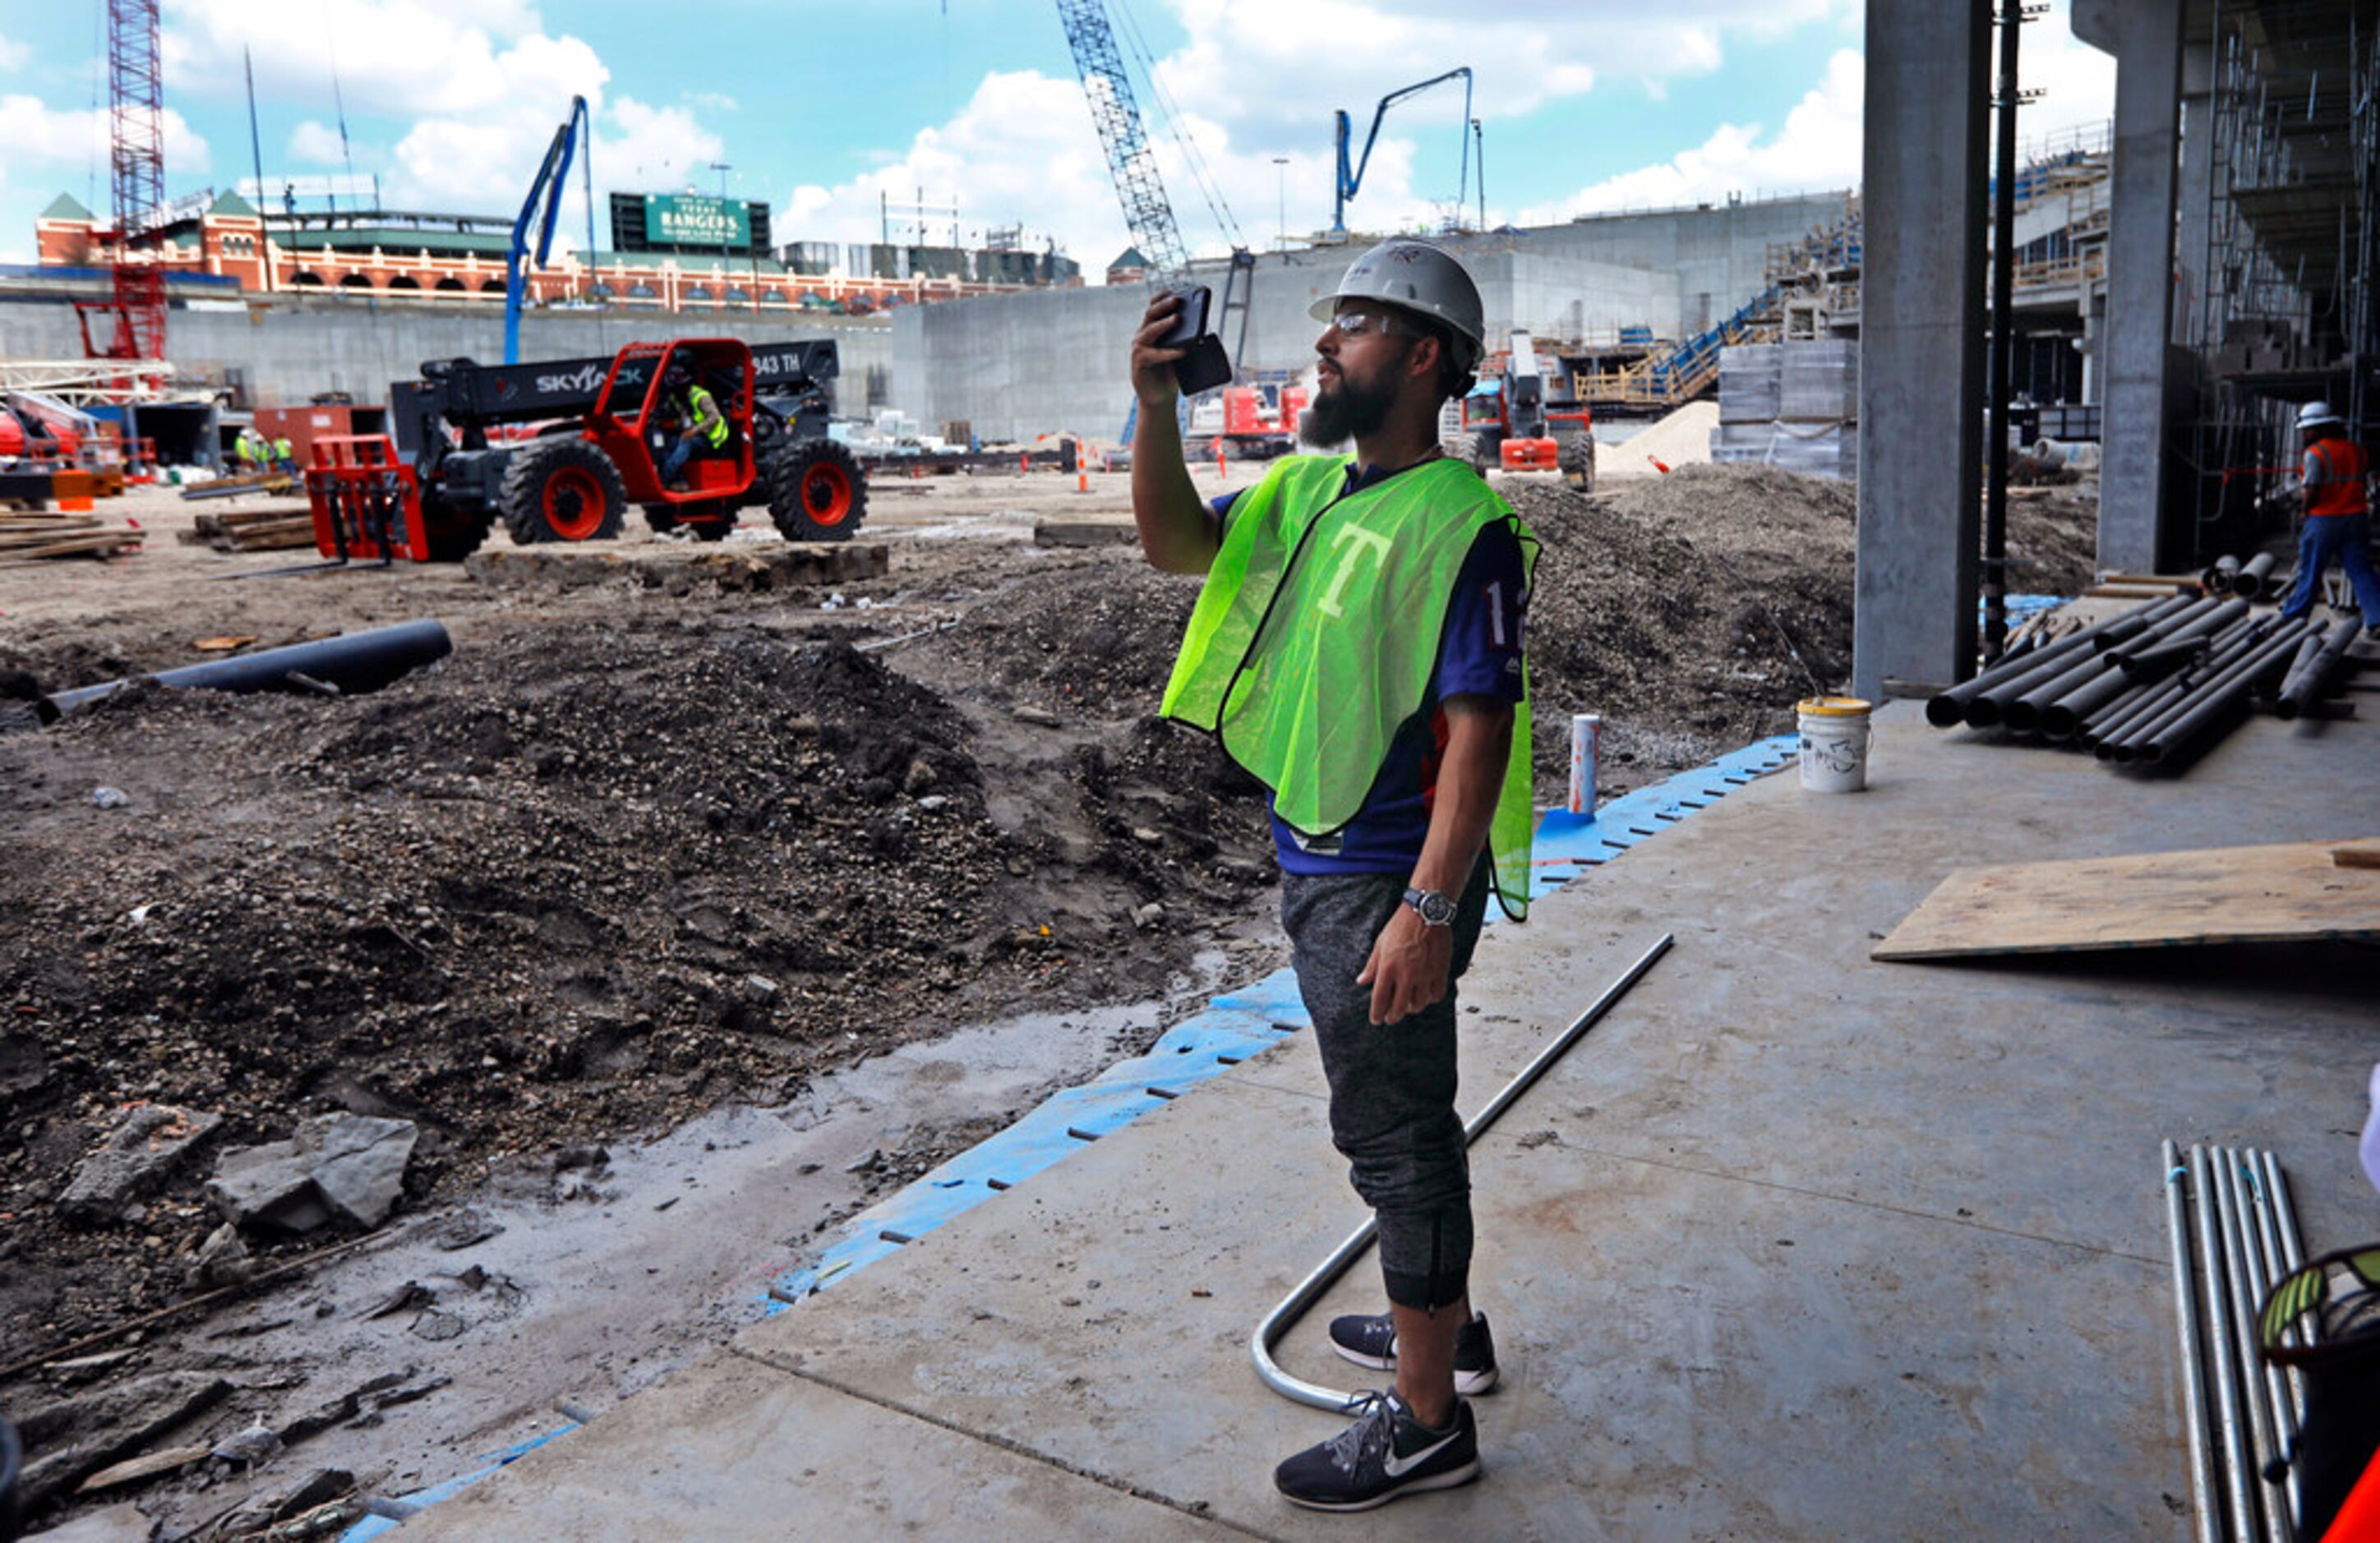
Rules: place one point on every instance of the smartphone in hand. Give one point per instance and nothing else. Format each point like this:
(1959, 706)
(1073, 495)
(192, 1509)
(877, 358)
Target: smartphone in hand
(1190, 321)
(1206, 365)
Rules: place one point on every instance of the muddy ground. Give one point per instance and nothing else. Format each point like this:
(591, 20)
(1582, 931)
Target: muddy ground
(675, 878)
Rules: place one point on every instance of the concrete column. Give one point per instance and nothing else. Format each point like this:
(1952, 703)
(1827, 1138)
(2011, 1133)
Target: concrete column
(2197, 184)
(2132, 471)
(1921, 342)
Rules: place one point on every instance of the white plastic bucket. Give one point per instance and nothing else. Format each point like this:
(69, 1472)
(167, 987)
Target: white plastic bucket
(1585, 757)
(1834, 743)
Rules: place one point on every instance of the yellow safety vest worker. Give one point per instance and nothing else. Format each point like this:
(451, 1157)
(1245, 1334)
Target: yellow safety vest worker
(1317, 635)
(707, 420)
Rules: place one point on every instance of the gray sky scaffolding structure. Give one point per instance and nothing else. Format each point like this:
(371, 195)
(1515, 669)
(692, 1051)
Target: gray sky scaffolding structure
(1117, 117)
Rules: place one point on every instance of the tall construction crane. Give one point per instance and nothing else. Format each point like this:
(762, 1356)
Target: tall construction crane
(1117, 117)
(1348, 181)
(136, 113)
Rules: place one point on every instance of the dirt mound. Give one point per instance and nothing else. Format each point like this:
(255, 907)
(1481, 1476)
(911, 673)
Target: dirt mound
(1693, 611)
(1099, 631)
(576, 880)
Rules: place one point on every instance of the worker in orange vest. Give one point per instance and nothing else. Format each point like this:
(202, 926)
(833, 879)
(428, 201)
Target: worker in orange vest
(2337, 516)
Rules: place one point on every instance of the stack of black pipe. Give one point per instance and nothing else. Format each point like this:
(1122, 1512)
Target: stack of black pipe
(2249, 580)
(2152, 687)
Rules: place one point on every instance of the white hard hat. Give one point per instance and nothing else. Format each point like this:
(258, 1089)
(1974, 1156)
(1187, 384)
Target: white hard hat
(1417, 277)
(2314, 413)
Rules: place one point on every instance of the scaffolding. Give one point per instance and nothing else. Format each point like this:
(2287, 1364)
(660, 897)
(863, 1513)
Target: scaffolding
(2286, 312)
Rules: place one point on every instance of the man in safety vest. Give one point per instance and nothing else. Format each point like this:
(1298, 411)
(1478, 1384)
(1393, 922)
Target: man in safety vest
(283, 457)
(1356, 647)
(2337, 516)
(700, 426)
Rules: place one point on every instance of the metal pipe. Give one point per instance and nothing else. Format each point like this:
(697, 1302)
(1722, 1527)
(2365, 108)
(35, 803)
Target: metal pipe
(2314, 677)
(2161, 699)
(2003, 340)
(2204, 1485)
(2232, 1447)
(2264, 1272)
(2193, 689)
(2110, 633)
(1945, 708)
(2166, 742)
(1291, 1308)
(2069, 714)
(2161, 660)
(1986, 709)
(2243, 1329)
(2218, 576)
(357, 662)
(2023, 715)
(2217, 616)
(2253, 582)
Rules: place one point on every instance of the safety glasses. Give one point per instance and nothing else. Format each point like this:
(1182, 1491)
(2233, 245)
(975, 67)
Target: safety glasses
(2333, 1298)
(1355, 323)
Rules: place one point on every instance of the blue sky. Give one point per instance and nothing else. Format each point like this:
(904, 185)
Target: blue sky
(822, 106)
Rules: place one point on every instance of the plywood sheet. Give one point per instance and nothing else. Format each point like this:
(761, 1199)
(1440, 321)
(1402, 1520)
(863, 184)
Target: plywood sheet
(2226, 895)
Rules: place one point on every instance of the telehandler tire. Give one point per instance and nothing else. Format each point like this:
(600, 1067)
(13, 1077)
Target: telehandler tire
(817, 491)
(563, 490)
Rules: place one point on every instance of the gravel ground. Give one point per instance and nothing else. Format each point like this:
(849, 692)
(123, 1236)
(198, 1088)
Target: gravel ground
(626, 858)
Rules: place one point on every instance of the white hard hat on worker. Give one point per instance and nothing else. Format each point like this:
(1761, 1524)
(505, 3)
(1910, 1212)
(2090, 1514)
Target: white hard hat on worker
(2314, 415)
(1417, 277)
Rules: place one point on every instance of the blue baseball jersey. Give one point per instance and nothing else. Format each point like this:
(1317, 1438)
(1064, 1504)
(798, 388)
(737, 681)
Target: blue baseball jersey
(1479, 654)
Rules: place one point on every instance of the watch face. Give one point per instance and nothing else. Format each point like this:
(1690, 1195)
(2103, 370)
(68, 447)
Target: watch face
(1435, 909)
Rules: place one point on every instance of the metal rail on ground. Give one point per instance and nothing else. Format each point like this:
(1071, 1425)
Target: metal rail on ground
(1293, 1306)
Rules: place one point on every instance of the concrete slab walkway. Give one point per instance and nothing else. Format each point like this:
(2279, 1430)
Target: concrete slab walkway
(1793, 1245)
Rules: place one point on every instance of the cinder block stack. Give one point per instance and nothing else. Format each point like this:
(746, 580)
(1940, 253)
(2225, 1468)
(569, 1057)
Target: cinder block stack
(1791, 404)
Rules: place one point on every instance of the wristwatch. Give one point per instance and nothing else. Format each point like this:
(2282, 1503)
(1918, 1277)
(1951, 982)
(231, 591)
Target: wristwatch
(1434, 909)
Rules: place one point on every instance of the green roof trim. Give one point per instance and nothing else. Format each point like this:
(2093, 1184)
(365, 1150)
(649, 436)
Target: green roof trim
(230, 203)
(66, 206)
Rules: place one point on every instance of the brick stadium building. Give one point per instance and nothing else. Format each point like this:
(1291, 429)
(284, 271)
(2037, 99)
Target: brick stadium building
(409, 256)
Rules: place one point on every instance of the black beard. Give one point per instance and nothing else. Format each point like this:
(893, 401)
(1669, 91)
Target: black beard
(1352, 412)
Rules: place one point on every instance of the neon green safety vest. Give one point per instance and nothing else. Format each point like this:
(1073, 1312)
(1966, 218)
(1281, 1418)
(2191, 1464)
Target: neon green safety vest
(1317, 635)
(707, 420)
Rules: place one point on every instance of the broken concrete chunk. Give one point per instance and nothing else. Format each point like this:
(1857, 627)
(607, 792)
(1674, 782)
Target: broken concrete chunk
(137, 1157)
(222, 1260)
(146, 1466)
(74, 1437)
(349, 1167)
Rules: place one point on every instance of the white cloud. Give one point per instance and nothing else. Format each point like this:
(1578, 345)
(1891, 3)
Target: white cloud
(14, 56)
(56, 143)
(316, 144)
(394, 57)
(717, 102)
(1818, 146)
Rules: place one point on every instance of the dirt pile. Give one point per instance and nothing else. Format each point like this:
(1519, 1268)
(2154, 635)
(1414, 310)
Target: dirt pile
(574, 882)
(1693, 611)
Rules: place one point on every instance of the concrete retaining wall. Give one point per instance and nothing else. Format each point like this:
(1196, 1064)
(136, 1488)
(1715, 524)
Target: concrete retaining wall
(287, 350)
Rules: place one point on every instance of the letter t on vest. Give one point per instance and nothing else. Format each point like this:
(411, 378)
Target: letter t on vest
(1375, 542)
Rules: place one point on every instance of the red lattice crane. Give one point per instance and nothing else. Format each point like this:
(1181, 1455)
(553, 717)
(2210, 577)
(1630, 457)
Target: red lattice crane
(136, 108)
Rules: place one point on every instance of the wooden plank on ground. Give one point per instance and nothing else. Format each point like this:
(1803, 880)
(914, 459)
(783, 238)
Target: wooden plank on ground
(2293, 892)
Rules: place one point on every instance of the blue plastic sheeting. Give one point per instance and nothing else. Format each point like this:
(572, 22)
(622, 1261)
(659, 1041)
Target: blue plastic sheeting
(373, 1526)
(2021, 606)
(1237, 1025)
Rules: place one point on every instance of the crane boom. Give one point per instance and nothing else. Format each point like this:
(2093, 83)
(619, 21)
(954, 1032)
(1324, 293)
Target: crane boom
(1146, 210)
(552, 177)
(1349, 181)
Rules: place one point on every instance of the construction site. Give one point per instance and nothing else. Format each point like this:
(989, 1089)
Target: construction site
(603, 936)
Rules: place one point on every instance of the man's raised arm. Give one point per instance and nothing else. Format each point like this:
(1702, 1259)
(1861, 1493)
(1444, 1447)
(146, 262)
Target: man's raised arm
(1178, 532)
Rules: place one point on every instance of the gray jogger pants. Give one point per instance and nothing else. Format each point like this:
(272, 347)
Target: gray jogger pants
(1393, 1086)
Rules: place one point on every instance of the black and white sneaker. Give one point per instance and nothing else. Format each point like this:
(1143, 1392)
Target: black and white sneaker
(1370, 1339)
(1384, 1455)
